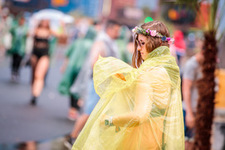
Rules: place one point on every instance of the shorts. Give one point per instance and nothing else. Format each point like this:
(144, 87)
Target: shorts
(92, 99)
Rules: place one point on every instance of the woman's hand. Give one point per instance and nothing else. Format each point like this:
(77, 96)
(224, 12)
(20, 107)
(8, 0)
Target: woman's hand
(106, 120)
(190, 120)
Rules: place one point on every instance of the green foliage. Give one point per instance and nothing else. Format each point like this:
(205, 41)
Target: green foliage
(214, 18)
(213, 12)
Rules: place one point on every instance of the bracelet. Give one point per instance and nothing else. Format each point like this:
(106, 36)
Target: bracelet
(108, 122)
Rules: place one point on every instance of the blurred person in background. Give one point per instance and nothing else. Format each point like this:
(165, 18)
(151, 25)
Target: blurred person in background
(19, 31)
(179, 46)
(75, 57)
(104, 45)
(191, 74)
(124, 41)
(130, 49)
(40, 57)
(173, 52)
(140, 106)
(5, 21)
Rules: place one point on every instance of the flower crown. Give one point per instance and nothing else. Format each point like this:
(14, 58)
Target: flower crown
(153, 33)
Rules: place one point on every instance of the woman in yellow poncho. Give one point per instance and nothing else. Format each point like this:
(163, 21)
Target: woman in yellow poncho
(139, 108)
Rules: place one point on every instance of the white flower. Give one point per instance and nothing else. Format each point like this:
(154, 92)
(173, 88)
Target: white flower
(153, 32)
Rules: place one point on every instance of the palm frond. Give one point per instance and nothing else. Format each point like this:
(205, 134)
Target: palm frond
(220, 35)
(213, 12)
(220, 15)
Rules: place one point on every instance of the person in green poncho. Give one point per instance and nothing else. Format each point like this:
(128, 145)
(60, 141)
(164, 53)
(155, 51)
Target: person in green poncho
(19, 32)
(76, 55)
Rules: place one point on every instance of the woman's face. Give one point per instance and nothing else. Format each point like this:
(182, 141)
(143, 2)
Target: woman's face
(45, 23)
(141, 42)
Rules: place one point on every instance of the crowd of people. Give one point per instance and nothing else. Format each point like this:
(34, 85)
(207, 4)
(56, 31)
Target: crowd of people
(116, 105)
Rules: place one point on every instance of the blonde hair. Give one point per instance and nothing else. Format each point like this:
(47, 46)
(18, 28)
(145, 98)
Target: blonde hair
(152, 42)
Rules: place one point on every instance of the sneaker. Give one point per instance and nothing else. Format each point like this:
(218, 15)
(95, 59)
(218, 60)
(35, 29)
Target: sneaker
(69, 141)
(33, 101)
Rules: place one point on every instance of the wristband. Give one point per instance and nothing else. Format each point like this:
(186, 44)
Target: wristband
(108, 122)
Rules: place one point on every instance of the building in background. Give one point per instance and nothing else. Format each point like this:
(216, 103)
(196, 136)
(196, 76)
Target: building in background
(124, 11)
(152, 5)
(20, 6)
(88, 8)
(85, 7)
(129, 12)
(1, 2)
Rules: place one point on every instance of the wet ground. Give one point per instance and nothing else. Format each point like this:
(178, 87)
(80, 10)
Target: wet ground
(40, 127)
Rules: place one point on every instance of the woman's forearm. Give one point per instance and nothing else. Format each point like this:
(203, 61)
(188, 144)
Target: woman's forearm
(128, 120)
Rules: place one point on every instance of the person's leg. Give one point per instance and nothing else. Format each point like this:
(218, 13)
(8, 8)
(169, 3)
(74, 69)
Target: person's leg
(74, 102)
(78, 126)
(71, 74)
(13, 64)
(189, 135)
(74, 107)
(88, 107)
(17, 65)
(33, 61)
(178, 59)
(18, 62)
(39, 75)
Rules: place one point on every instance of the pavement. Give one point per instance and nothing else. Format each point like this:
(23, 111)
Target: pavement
(21, 122)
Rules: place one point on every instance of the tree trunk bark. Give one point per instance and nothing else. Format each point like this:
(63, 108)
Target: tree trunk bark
(205, 107)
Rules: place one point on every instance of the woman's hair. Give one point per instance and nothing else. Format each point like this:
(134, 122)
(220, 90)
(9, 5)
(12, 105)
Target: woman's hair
(152, 42)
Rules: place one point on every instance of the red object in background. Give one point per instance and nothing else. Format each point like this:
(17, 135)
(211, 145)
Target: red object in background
(203, 15)
(179, 39)
(58, 3)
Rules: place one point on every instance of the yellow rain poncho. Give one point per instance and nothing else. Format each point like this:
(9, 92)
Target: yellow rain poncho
(145, 104)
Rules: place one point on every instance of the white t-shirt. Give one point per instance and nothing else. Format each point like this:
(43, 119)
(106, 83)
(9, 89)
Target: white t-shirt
(192, 71)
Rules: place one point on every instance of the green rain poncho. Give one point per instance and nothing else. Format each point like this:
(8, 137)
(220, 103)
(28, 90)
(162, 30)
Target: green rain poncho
(77, 54)
(19, 36)
(145, 104)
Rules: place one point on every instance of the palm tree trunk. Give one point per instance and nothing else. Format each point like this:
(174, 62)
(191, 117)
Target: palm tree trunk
(205, 107)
